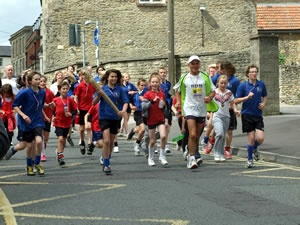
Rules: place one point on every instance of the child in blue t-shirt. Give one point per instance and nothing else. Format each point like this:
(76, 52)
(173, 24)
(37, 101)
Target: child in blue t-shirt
(253, 95)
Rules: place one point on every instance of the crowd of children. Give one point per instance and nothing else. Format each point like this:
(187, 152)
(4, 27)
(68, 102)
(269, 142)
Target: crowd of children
(201, 99)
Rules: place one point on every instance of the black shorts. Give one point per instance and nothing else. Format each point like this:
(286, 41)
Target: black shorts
(28, 136)
(138, 118)
(47, 127)
(251, 123)
(170, 117)
(128, 109)
(156, 125)
(61, 131)
(112, 125)
(233, 121)
(20, 135)
(90, 117)
(82, 114)
(197, 119)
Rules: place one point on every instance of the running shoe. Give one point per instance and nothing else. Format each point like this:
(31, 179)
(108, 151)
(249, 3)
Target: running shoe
(101, 160)
(210, 146)
(29, 170)
(250, 164)
(199, 160)
(82, 148)
(162, 159)
(40, 170)
(116, 149)
(185, 153)
(90, 149)
(130, 135)
(107, 170)
(43, 158)
(155, 149)
(217, 158)
(151, 162)
(9, 153)
(222, 158)
(34, 168)
(61, 161)
(178, 147)
(167, 150)
(70, 141)
(227, 153)
(136, 149)
(255, 154)
(192, 164)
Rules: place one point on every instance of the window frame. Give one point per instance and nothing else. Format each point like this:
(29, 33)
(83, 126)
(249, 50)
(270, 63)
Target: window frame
(151, 3)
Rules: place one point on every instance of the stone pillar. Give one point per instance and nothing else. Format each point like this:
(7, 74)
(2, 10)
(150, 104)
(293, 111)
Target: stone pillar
(264, 54)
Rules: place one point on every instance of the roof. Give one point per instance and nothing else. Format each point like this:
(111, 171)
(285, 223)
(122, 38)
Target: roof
(5, 51)
(278, 17)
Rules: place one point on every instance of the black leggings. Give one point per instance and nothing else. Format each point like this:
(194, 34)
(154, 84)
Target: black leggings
(10, 134)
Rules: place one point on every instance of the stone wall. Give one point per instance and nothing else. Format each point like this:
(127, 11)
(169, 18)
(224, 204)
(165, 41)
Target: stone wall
(129, 31)
(289, 45)
(289, 85)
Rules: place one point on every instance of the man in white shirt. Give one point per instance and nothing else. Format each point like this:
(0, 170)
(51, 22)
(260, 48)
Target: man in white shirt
(9, 71)
(194, 92)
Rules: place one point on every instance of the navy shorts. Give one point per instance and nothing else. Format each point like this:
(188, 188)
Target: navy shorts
(97, 136)
(197, 119)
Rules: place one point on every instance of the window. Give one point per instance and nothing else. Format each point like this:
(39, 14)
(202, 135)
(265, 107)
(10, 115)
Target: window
(152, 2)
(74, 35)
(1, 61)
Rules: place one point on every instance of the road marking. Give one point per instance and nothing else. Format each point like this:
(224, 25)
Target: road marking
(260, 171)
(169, 221)
(8, 212)
(110, 187)
(273, 177)
(27, 183)
(4, 167)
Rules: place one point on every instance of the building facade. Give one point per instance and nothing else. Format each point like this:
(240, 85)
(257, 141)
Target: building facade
(5, 58)
(18, 53)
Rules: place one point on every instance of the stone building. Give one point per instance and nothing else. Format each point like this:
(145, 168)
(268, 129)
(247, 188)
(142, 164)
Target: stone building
(18, 43)
(5, 58)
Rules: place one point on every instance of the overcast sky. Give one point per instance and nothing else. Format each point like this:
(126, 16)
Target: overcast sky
(15, 14)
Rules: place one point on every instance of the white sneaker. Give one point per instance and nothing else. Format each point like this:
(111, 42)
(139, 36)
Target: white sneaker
(178, 148)
(155, 149)
(101, 160)
(151, 162)
(222, 158)
(217, 158)
(167, 150)
(192, 164)
(185, 154)
(136, 149)
(203, 145)
(162, 159)
(116, 149)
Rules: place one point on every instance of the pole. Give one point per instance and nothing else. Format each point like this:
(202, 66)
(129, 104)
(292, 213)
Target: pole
(97, 50)
(171, 51)
(83, 48)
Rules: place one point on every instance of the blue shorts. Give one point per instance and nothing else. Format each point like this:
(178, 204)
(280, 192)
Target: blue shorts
(97, 136)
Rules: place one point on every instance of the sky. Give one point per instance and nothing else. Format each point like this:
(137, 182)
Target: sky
(15, 14)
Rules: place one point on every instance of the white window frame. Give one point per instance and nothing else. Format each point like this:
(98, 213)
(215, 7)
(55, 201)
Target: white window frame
(152, 2)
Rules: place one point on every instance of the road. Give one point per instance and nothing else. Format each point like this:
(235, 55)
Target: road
(215, 193)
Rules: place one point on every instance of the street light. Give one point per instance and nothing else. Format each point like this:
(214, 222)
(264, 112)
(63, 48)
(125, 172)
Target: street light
(96, 37)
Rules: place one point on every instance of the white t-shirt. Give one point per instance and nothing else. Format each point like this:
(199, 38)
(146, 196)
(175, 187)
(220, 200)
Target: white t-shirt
(54, 88)
(194, 104)
(13, 83)
(223, 100)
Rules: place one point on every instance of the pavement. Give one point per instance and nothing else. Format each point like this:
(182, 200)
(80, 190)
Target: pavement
(282, 141)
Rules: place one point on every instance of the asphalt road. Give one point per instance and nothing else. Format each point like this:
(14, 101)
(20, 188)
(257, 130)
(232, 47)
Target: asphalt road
(215, 193)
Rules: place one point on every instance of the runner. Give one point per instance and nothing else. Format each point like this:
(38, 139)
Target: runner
(156, 118)
(253, 95)
(64, 106)
(109, 121)
(136, 106)
(221, 119)
(195, 91)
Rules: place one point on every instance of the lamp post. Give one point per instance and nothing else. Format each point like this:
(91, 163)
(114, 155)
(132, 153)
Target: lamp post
(96, 38)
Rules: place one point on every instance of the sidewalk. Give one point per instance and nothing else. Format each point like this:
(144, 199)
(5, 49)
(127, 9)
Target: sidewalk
(282, 140)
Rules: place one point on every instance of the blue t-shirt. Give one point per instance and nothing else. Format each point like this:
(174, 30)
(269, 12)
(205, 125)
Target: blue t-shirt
(0, 102)
(233, 83)
(32, 104)
(250, 106)
(165, 87)
(118, 96)
(97, 79)
(137, 102)
(129, 87)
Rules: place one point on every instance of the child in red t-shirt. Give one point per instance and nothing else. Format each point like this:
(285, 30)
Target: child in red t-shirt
(47, 115)
(6, 111)
(64, 106)
(97, 134)
(156, 118)
(84, 93)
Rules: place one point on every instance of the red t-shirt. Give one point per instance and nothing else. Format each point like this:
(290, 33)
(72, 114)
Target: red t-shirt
(95, 117)
(85, 93)
(155, 114)
(49, 98)
(60, 119)
(179, 108)
(8, 115)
